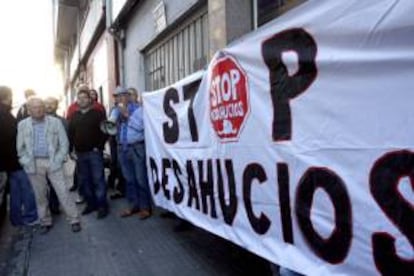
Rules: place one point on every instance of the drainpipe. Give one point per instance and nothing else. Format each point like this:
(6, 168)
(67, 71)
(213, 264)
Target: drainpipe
(119, 35)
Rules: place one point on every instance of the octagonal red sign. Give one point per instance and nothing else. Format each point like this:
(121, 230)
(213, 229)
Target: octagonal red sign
(229, 98)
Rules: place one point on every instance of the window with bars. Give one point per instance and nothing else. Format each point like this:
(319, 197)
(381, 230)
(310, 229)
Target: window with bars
(266, 10)
(182, 53)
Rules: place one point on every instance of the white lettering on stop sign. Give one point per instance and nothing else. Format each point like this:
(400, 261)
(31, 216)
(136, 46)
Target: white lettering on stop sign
(229, 98)
(224, 87)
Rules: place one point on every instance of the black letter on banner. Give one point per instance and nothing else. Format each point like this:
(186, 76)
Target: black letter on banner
(283, 87)
(192, 188)
(178, 193)
(254, 171)
(230, 209)
(284, 199)
(190, 91)
(207, 187)
(171, 133)
(166, 164)
(335, 248)
(154, 174)
(384, 180)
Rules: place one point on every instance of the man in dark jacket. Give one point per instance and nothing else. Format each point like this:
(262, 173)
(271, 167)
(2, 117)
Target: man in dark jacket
(88, 141)
(22, 201)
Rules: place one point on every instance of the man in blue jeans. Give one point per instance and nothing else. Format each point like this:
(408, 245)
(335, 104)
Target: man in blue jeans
(22, 201)
(88, 142)
(131, 152)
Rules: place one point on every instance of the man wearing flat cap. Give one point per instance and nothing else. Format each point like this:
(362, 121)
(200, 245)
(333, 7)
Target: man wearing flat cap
(42, 146)
(131, 153)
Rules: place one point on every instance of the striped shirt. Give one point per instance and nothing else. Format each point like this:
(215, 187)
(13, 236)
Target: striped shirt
(40, 148)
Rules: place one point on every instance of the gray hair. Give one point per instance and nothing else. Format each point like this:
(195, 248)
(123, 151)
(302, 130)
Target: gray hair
(52, 99)
(34, 99)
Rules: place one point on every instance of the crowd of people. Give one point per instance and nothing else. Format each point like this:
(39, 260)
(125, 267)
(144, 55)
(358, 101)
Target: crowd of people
(49, 163)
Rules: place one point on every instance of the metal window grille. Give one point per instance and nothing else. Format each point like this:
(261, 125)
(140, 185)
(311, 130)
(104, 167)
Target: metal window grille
(185, 52)
(266, 10)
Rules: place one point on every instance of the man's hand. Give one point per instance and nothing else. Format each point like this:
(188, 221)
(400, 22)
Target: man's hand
(123, 109)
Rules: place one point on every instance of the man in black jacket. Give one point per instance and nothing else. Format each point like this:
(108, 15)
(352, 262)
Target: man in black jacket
(88, 141)
(22, 201)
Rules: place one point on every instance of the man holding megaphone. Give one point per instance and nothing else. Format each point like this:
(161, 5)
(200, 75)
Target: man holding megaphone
(128, 116)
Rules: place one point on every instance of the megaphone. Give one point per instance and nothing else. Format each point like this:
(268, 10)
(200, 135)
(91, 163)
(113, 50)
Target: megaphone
(109, 127)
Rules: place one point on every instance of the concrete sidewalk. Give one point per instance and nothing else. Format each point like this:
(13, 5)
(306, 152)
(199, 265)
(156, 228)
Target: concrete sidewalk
(128, 246)
(14, 248)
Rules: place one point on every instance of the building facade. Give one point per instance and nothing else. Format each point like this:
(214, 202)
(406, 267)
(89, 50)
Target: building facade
(84, 48)
(149, 44)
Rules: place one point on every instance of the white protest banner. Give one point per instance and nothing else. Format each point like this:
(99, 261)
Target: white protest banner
(297, 142)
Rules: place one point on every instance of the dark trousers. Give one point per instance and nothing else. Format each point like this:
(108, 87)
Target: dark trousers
(115, 169)
(91, 179)
(53, 199)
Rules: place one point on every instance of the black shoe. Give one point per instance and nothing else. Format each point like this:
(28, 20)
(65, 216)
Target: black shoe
(55, 211)
(44, 229)
(73, 188)
(76, 227)
(102, 213)
(88, 210)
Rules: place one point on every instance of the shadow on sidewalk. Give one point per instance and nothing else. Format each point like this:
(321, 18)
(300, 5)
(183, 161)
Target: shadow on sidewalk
(221, 252)
(14, 248)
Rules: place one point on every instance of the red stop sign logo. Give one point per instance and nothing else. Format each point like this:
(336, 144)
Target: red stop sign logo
(229, 98)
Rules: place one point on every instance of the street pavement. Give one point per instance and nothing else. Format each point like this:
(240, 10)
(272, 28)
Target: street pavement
(122, 246)
(14, 244)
